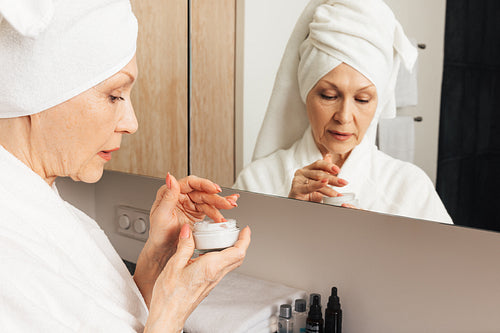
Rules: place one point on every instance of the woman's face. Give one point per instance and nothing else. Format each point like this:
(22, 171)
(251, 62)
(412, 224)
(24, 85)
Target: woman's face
(340, 108)
(76, 138)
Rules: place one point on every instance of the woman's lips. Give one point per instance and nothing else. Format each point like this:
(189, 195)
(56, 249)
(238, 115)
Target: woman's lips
(340, 135)
(106, 154)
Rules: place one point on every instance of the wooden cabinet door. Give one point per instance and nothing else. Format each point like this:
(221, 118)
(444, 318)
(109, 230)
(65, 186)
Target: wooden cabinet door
(185, 125)
(213, 29)
(160, 95)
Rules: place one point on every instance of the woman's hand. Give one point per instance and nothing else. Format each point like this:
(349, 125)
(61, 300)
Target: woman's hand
(185, 282)
(186, 201)
(176, 204)
(310, 182)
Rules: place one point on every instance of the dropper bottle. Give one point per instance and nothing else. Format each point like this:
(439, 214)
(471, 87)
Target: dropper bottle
(333, 314)
(314, 322)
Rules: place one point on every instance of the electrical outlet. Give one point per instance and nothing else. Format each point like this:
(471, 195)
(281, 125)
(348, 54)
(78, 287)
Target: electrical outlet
(132, 222)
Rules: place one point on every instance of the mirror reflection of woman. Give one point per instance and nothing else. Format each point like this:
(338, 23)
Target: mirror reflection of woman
(67, 69)
(336, 80)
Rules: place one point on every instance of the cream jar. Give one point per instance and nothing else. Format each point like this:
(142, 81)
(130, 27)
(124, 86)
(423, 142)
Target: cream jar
(346, 198)
(212, 236)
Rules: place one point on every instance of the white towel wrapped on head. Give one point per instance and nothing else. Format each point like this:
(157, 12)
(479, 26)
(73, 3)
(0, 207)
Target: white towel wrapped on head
(239, 304)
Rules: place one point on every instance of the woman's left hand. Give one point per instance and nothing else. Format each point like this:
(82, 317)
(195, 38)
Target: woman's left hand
(177, 203)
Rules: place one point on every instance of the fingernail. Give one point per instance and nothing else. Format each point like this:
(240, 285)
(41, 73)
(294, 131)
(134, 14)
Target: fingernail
(168, 181)
(335, 169)
(340, 195)
(184, 232)
(324, 181)
(343, 181)
(232, 202)
(218, 187)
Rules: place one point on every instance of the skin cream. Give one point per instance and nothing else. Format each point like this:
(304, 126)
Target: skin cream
(212, 236)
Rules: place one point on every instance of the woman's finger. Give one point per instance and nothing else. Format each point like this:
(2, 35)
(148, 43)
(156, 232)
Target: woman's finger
(185, 248)
(325, 166)
(211, 212)
(166, 197)
(349, 206)
(307, 186)
(213, 200)
(319, 175)
(193, 183)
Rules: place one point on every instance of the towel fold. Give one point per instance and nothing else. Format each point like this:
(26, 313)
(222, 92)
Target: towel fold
(396, 137)
(239, 304)
(406, 85)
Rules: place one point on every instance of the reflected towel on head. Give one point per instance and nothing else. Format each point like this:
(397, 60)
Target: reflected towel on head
(361, 33)
(53, 50)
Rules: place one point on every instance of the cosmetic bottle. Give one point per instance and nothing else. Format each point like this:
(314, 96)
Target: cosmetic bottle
(314, 322)
(212, 236)
(299, 316)
(333, 314)
(285, 322)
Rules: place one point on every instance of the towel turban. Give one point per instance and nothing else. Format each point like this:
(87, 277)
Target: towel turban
(361, 33)
(53, 50)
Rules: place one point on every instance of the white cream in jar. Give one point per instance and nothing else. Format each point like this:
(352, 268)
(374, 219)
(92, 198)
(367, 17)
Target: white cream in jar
(212, 236)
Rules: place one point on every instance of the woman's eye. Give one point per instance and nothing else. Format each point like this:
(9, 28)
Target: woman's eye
(115, 98)
(328, 97)
(362, 100)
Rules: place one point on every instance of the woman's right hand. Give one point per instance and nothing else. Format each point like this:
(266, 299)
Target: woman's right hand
(185, 282)
(311, 182)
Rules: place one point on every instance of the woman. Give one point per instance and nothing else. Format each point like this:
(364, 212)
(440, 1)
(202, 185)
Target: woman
(335, 81)
(67, 70)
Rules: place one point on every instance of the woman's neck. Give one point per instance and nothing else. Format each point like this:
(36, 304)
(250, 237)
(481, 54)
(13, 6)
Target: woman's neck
(15, 138)
(337, 159)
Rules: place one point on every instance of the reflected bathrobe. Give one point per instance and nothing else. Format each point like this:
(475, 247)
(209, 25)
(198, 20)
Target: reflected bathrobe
(58, 271)
(381, 183)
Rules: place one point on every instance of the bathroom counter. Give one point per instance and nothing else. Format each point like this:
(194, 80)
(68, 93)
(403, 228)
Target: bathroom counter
(394, 274)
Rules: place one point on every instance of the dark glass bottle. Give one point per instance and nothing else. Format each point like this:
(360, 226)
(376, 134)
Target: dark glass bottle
(314, 322)
(333, 314)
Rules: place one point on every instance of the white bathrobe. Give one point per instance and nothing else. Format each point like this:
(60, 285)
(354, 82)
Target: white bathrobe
(381, 183)
(58, 272)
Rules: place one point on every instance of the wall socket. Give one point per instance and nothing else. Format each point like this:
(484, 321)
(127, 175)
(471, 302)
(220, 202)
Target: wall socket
(132, 222)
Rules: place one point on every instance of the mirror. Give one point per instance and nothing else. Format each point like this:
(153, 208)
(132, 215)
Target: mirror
(260, 45)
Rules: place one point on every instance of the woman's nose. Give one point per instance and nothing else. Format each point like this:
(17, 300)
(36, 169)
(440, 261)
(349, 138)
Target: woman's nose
(128, 122)
(343, 114)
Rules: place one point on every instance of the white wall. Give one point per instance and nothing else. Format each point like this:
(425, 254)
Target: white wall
(263, 29)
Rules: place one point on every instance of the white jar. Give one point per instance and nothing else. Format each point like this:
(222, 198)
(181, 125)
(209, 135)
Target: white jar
(212, 236)
(348, 198)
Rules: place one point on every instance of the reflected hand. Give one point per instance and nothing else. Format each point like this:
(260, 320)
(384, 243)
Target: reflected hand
(185, 282)
(310, 183)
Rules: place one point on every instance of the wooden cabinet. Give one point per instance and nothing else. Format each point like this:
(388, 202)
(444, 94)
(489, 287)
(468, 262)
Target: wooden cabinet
(184, 96)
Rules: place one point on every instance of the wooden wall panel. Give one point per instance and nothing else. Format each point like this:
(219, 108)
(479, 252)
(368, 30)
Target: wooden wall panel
(160, 94)
(212, 96)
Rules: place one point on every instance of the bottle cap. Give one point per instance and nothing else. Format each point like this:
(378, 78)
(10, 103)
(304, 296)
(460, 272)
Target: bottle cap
(315, 309)
(311, 296)
(334, 300)
(286, 311)
(300, 305)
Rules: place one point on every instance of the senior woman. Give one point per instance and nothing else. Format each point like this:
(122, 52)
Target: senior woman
(335, 81)
(67, 68)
